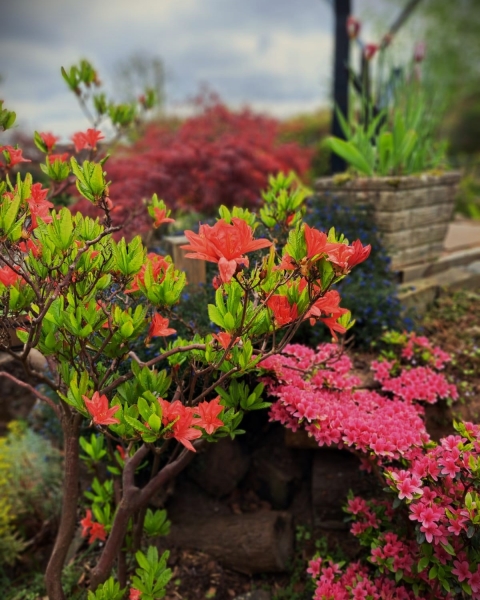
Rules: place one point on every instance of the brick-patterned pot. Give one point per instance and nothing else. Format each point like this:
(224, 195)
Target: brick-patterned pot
(412, 213)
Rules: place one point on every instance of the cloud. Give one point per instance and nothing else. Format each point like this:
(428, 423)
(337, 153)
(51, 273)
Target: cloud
(271, 54)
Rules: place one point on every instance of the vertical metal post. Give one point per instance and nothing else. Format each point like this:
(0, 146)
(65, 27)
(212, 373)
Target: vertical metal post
(340, 75)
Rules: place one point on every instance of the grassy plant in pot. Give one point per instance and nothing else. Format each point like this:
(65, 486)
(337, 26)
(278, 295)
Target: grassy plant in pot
(400, 172)
(396, 166)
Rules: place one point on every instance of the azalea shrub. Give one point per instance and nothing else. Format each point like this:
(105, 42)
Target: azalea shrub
(83, 298)
(421, 538)
(216, 157)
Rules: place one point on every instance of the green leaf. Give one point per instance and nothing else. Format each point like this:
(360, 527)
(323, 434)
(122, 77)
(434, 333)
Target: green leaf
(97, 180)
(423, 564)
(229, 322)
(39, 143)
(448, 548)
(385, 150)
(22, 335)
(136, 424)
(408, 145)
(350, 154)
(215, 315)
(154, 422)
(126, 329)
(144, 408)
(11, 214)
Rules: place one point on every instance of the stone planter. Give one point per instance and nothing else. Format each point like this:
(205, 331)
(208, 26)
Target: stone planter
(412, 213)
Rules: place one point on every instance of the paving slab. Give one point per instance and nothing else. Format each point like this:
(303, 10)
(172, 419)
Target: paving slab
(462, 233)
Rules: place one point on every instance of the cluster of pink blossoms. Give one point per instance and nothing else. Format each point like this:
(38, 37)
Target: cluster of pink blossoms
(418, 380)
(421, 347)
(316, 391)
(354, 583)
(415, 384)
(420, 543)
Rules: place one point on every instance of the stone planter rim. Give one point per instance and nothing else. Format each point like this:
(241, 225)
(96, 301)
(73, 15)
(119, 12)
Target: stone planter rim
(389, 183)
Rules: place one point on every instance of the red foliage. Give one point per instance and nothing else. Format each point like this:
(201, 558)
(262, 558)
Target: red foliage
(216, 157)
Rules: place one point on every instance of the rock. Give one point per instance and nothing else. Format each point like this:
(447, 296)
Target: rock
(260, 542)
(36, 361)
(277, 471)
(334, 473)
(189, 502)
(220, 468)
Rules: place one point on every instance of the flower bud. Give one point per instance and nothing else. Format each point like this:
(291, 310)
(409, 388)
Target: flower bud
(419, 52)
(370, 50)
(353, 27)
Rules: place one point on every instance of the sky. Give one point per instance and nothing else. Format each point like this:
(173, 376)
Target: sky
(275, 55)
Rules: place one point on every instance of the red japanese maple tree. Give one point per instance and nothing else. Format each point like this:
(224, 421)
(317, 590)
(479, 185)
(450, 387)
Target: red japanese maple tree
(216, 157)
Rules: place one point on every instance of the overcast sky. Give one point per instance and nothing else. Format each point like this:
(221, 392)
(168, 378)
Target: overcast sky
(275, 55)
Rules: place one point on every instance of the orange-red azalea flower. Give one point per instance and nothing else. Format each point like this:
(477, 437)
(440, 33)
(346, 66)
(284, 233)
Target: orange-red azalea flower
(316, 241)
(49, 140)
(98, 408)
(224, 339)
(183, 429)
(63, 157)
(159, 327)
(225, 244)
(159, 267)
(96, 530)
(208, 413)
(30, 245)
(8, 276)
(13, 156)
(283, 312)
(39, 205)
(161, 217)
(87, 139)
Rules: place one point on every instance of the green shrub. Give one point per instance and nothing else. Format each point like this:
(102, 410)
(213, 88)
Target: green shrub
(30, 487)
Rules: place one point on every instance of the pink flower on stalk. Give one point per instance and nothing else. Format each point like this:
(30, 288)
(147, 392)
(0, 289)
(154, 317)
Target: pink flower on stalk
(474, 580)
(353, 27)
(98, 408)
(134, 594)
(370, 50)
(419, 52)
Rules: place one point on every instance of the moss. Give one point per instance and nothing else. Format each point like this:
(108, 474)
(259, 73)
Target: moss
(342, 178)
